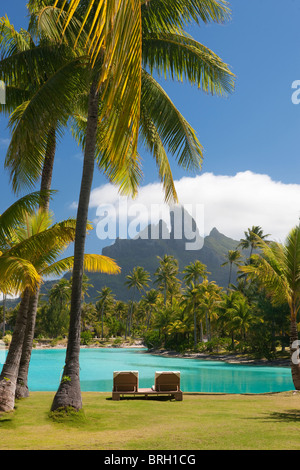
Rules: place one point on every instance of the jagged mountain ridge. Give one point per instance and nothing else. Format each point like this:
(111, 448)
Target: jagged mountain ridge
(144, 251)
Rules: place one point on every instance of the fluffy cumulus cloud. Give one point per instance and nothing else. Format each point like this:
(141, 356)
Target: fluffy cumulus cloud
(232, 204)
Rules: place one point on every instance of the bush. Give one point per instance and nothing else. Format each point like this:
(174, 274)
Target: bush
(7, 339)
(151, 339)
(86, 337)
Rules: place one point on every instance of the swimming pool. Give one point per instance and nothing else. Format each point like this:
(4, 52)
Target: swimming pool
(97, 366)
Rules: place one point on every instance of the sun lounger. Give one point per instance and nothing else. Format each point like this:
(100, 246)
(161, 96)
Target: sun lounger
(126, 383)
(168, 382)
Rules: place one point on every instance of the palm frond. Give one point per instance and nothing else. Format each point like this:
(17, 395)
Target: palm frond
(176, 134)
(16, 274)
(171, 15)
(92, 263)
(25, 155)
(115, 37)
(180, 57)
(11, 218)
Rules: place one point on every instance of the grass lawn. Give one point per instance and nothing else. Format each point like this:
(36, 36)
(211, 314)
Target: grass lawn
(204, 422)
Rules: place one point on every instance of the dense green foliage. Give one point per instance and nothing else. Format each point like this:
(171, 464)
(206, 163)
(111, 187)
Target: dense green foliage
(179, 311)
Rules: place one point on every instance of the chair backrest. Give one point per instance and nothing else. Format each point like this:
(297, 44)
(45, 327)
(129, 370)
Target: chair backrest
(167, 381)
(125, 381)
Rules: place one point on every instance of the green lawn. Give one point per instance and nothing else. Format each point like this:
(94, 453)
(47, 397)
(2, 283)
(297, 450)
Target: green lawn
(198, 422)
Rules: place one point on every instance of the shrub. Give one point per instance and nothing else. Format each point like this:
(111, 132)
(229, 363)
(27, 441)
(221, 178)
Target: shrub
(86, 337)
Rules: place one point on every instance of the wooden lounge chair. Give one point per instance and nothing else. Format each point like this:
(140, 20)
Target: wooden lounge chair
(168, 382)
(126, 381)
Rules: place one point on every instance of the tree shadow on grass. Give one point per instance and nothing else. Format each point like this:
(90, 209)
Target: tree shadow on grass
(287, 416)
(156, 398)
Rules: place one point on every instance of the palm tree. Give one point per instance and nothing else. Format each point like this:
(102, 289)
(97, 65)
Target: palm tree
(37, 241)
(192, 273)
(104, 297)
(149, 301)
(250, 240)
(138, 279)
(233, 258)
(60, 292)
(166, 274)
(277, 269)
(117, 82)
(195, 271)
(191, 300)
(210, 297)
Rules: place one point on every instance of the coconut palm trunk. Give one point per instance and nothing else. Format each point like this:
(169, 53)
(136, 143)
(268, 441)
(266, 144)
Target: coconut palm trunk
(9, 374)
(46, 180)
(48, 168)
(69, 393)
(22, 380)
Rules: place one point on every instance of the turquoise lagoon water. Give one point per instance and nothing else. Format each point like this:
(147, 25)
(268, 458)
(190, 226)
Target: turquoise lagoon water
(97, 367)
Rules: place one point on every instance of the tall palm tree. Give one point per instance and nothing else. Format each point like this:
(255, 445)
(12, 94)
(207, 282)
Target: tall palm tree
(166, 274)
(250, 240)
(210, 297)
(118, 83)
(191, 300)
(195, 271)
(277, 269)
(233, 258)
(138, 279)
(148, 301)
(192, 273)
(105, 296)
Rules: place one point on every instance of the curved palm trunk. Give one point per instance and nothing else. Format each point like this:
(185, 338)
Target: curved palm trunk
(48, 167)
(69, 393)
(22, 380)
(9, 374)
(294, 349)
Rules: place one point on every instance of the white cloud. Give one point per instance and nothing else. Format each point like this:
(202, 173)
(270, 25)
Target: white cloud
(232, 204)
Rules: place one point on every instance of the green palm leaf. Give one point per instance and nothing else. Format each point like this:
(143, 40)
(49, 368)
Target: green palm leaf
(178, 56)
(92, 263)
(176, 134)
(10, 219)
(16, 274)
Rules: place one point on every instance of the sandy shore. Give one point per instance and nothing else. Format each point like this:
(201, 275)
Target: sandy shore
(228, 358)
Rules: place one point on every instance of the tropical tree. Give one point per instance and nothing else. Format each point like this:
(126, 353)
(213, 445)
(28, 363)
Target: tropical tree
(166, 274)
(41, 243)
(191, 300)
(250, 240)
(105, 297)
(60, 292)
(138, 279)
(210, 297)
(194, 272)
(148, 302)
(277, 270)
(116, 83)
(233, 258)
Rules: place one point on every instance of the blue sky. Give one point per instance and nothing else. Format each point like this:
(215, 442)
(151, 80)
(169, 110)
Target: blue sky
(251, 138)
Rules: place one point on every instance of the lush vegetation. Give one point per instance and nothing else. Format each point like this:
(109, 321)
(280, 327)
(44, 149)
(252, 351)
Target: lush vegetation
(189, 315)
(88, 66)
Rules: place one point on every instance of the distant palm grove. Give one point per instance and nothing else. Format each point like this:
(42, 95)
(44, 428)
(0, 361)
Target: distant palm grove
(190, 315)
(89, 67)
